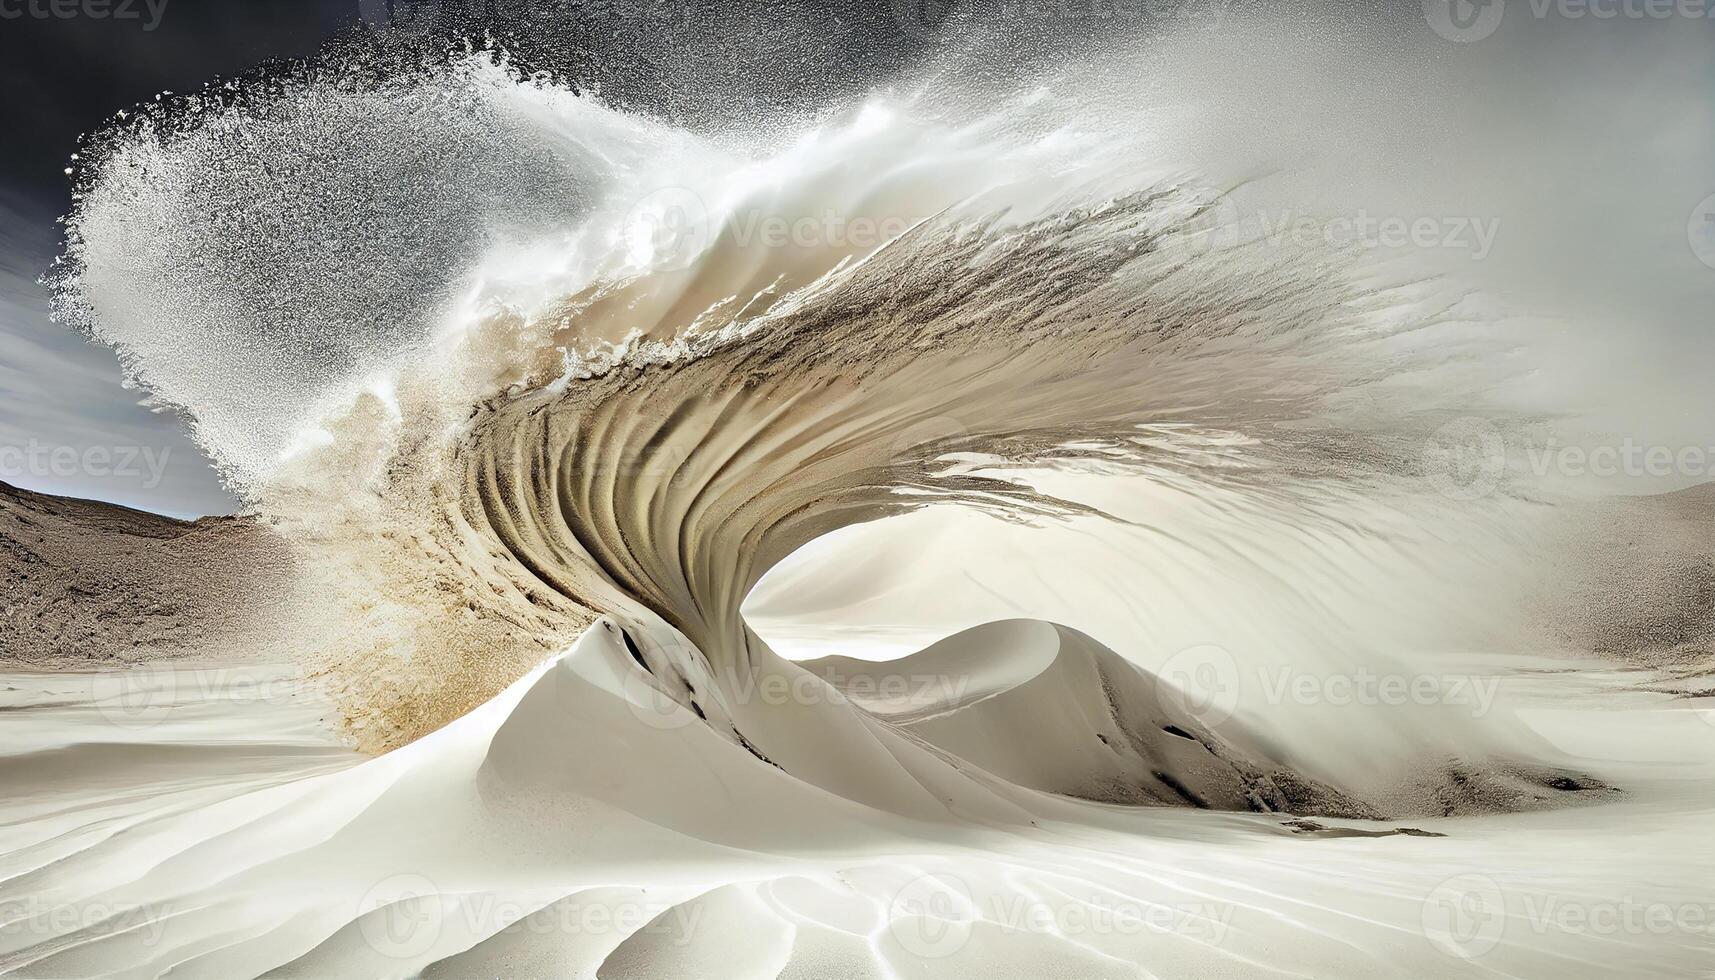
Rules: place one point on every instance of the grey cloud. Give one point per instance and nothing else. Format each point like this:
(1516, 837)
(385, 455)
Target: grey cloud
(67, 426)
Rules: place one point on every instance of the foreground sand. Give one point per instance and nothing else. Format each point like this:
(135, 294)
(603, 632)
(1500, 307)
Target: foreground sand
(575, 828)
(187, 816)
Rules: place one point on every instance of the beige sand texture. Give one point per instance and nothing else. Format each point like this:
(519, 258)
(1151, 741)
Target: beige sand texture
(200, 820)
(84, 581)
(999, 597)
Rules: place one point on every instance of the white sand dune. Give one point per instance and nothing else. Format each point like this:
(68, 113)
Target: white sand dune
(521, 841)
(916, 818)
(1024, 699)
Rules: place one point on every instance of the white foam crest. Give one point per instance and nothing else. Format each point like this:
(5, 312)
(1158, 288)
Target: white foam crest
(255, 266)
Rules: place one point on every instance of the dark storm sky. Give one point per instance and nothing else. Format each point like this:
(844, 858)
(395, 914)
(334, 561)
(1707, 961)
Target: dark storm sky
(62, 77)
(66, 424)
(1589, 142)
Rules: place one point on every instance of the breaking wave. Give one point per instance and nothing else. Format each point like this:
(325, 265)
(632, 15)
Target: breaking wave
(501, 359)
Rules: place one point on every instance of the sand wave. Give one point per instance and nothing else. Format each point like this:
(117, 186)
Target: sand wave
(536, 445)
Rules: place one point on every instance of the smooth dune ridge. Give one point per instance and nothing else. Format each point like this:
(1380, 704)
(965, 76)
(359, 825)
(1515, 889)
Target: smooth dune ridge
(520, 840)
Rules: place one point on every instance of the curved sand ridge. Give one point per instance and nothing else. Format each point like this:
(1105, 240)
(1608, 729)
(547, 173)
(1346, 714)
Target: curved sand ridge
(1025, 699)
(663, 488)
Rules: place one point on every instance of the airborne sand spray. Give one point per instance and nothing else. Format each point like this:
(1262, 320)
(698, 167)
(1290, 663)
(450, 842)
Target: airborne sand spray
(511, 359)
